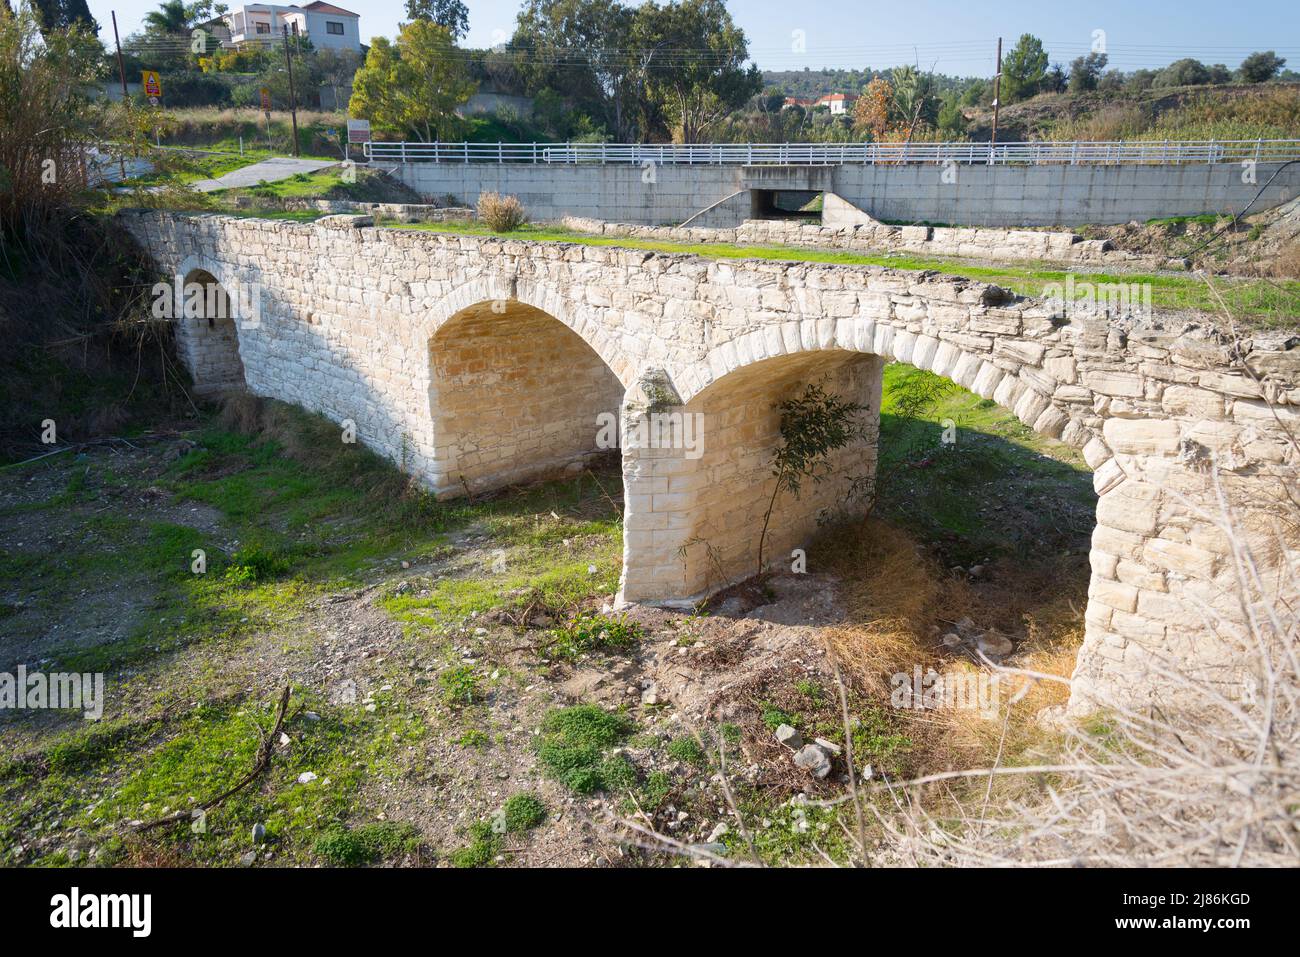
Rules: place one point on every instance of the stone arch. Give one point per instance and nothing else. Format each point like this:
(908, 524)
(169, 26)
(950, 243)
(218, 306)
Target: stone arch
(207, 319)
(515, 394)
(582, 320)
(671, 566)
(1008, 377)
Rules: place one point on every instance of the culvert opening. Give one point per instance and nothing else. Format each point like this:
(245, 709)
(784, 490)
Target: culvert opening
(780, 204)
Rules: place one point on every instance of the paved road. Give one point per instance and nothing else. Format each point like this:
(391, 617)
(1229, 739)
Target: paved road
(281, 167)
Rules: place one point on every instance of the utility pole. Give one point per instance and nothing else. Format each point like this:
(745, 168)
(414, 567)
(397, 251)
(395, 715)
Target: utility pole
(121, 72)
(997, 95)
(293, 102)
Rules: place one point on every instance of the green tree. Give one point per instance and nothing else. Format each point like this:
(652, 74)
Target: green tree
(1184, 72)
(1023, 69)
(1111, 81)
(336, 69)
(1261, 67)
(915, 104)
(770, 100)
(951, 119)
(582, 50)
(692, 56)
(1140, 80)
(48, 120)
(413, 87)
(451, 14)
(58, 14)
(176, 16)
(1085, 70)
(814, 424)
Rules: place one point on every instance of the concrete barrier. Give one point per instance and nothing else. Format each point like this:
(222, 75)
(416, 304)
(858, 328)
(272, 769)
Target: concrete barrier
(1061, 195)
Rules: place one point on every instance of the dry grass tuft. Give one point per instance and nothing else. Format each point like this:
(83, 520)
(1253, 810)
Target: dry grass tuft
(501, 214)
(1287, 263)
(241, 412)
(898, 601)
(890, 591)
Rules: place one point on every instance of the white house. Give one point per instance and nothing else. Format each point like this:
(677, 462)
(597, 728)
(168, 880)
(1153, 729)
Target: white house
(327, 27)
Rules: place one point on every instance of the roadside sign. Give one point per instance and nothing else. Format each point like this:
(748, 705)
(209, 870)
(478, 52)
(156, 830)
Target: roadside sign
(358, 131)
(152, 86)
(266, 99)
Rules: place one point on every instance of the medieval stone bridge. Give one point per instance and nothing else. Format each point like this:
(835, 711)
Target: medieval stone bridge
(477, 362)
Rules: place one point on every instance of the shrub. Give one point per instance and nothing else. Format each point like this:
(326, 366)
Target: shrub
(459, 685)
(500, 213)
(573, 744)
(588, 632)
(366, 844)
(687, 750)
(255, 563)
(482, 848)
(523, 812)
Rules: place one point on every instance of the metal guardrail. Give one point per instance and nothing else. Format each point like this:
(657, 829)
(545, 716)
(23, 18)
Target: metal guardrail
(1175, 152)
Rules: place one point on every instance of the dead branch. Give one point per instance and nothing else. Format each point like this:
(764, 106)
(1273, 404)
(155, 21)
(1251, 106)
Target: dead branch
(263, 762)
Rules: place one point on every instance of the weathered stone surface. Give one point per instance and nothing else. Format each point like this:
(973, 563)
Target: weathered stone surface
(1141, 436)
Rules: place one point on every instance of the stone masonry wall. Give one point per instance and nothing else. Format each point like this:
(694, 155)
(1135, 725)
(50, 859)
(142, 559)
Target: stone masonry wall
(982, 243)
(1170, 415)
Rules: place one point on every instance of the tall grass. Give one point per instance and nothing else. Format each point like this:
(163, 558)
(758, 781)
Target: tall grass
(1271, 113)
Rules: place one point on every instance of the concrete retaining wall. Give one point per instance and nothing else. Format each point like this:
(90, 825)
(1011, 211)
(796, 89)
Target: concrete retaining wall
(958, 195)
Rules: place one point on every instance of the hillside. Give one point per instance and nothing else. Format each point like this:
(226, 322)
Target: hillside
(1189, 112)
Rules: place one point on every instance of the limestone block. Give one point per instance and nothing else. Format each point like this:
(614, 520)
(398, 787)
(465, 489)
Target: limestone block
(1141, 436)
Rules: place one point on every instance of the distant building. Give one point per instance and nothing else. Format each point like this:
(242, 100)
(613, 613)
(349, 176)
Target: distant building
(837, 103)
(327, 27)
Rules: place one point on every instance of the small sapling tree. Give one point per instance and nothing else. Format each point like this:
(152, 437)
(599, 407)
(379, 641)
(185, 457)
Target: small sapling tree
(813, 425)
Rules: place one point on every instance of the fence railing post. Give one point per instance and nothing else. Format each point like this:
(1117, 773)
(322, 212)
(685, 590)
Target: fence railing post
(1073, 152)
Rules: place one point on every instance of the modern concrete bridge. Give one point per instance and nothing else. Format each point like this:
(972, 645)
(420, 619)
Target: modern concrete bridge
(963, 184)
(478, 362)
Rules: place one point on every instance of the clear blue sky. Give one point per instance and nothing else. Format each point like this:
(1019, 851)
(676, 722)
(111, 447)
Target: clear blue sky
(950, 36)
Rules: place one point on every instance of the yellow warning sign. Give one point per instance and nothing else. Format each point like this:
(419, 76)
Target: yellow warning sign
(152, 86)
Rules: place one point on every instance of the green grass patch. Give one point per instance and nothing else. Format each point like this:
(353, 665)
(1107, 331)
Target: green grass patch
(523, 812)
(459, 686)
(1266, 303)
(591, 632)
(140, 772)
(948, 459)
(520, 813)
(687, 750)
(367, 844)
(573, 749)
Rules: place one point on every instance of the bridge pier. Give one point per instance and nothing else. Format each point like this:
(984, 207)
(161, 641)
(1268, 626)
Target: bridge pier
(698, 477)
